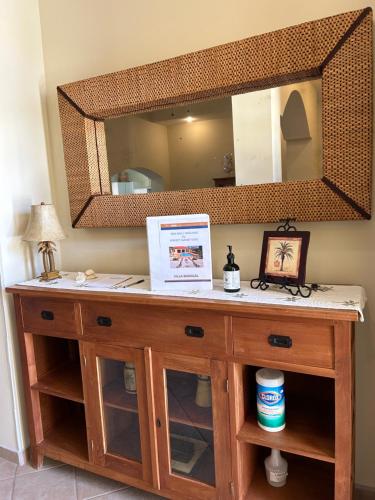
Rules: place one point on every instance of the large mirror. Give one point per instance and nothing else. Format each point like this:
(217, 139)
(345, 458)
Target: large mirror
(271, 135)
(270, 127)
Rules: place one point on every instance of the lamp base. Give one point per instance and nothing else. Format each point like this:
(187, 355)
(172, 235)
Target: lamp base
(50, 275)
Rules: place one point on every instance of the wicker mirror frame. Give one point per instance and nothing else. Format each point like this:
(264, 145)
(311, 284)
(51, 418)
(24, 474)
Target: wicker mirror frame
(338, 49)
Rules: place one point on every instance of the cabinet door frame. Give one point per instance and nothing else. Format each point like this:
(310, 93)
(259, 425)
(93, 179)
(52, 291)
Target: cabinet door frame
(217, 370)
(141, 471)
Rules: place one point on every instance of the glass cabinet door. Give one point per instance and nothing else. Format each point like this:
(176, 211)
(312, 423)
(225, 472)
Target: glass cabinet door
(120, 406)
(193, 435)
(190, 425)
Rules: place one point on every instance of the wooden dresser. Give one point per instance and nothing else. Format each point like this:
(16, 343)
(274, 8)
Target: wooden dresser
(80, 351)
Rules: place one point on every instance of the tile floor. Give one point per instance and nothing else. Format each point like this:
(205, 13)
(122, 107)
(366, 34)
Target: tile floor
(56, 481)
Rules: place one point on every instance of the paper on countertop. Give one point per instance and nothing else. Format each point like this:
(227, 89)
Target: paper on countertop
(327, 297)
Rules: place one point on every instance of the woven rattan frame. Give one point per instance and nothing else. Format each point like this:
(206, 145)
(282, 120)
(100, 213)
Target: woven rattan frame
(338, 49)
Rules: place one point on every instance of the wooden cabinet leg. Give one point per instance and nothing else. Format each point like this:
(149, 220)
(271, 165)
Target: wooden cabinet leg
(344, 410)
(36, 457)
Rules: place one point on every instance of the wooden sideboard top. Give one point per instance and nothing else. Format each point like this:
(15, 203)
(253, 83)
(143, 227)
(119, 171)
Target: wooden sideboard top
(223, 306)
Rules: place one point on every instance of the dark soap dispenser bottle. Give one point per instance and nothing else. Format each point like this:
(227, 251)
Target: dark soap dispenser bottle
(231, 274)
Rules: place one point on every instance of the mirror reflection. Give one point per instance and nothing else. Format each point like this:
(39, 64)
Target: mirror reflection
(271, 135)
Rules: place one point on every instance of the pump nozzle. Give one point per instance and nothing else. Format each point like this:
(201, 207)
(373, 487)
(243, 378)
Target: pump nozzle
(230, 256)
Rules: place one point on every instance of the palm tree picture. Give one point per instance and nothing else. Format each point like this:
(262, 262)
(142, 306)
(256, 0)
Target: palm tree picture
(284, 251)
(284, 257)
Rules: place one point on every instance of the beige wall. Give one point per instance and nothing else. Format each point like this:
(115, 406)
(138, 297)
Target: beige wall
(196, 152)
(83, 38)
(24, 181)
(134, 142)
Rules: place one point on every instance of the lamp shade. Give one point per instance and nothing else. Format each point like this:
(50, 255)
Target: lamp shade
(43, 224)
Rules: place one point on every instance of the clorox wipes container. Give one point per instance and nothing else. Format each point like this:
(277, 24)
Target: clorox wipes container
(270, 399)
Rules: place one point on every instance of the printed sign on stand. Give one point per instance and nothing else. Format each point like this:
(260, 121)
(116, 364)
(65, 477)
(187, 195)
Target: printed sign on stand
(179, 249)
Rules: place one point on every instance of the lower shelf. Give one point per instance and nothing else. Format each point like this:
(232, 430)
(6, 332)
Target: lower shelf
(204, 467)
(126, 443)
(69, 437)
(307, 479)
(203, 470)
(64, 426)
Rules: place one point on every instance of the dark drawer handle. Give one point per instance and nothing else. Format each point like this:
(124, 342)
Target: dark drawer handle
(194, 331)
(280, 341)
(47, 315)
(104, 321)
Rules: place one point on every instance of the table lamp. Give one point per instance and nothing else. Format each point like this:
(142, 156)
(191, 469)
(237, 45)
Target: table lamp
(45, 228)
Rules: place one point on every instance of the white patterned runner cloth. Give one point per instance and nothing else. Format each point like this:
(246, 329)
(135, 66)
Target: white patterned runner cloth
(327, 296)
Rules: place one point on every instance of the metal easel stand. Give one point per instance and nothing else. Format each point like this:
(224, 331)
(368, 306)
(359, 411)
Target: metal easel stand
(304, 290)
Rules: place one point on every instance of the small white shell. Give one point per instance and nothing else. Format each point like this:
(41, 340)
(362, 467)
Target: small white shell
(90, 274)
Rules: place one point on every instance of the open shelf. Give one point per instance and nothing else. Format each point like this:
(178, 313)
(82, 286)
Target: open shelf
(182, 410)
(309, 409)
(305, 434)
(58, 367)
(307, 479)
(69, 436)
(65, 381)
(64, 426)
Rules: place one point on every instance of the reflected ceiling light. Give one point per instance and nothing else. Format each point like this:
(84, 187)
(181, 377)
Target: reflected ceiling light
(189, 119)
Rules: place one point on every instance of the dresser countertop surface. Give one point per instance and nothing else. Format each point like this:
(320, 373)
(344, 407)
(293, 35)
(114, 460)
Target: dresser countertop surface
(335, 302)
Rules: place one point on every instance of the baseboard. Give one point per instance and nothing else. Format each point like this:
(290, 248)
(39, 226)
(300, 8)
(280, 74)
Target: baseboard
(364, 492)
(17, 457)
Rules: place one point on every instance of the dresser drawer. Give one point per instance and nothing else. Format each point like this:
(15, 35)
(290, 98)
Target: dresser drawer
(48, 316)
(309, 344)
(173, 330)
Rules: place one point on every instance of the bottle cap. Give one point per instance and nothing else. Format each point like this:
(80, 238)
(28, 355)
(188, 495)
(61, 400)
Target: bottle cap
(269, 377)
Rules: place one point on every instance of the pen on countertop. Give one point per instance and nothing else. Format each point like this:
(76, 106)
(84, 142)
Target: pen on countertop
(118, 285)
(135, 283)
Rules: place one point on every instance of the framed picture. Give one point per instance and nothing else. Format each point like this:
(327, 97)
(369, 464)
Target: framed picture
(284, 255)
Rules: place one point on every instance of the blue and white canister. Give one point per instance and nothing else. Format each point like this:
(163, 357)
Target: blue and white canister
(270, 399)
